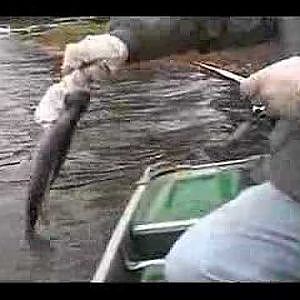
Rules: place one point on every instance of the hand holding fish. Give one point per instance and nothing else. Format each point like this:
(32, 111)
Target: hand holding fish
(61, 108)
(91, 59)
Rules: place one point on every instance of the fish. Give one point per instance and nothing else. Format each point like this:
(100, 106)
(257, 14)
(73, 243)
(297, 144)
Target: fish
(50, 155)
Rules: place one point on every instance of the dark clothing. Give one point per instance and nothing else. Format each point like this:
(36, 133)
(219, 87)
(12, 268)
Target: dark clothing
(285, 162)
(153, 37)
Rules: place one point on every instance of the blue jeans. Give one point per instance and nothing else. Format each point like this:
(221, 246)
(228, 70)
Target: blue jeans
(255, 237)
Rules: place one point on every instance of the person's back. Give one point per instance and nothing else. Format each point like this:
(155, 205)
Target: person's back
(255, 237)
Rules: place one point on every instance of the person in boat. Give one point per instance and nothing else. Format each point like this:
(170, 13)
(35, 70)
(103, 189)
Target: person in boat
(255, 237)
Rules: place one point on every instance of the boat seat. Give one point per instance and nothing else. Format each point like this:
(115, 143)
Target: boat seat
(174, 202)
(153, 241)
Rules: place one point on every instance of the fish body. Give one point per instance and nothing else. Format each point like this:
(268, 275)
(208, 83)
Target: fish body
(51, 153)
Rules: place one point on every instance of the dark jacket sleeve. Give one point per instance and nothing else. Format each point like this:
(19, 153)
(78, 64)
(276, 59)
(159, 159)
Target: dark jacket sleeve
(282, 167)
(154, 37)
(285, 163)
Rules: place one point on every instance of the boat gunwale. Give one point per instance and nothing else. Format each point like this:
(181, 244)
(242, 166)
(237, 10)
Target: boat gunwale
(226, 163)
(119, 232)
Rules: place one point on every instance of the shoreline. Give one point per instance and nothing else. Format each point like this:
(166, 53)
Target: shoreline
(240, 60)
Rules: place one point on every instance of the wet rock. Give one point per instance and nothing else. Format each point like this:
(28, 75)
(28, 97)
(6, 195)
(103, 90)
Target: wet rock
(242, 31)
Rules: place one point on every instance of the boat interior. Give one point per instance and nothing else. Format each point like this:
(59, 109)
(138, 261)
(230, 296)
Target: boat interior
(173, 199)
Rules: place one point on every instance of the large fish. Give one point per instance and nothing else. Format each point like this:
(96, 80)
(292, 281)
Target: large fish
(51, 153)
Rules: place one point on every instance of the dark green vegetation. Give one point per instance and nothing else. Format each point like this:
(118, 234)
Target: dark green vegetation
(69, 33)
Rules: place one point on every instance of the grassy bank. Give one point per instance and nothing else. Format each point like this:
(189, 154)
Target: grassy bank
(64, 34)
(54, 41)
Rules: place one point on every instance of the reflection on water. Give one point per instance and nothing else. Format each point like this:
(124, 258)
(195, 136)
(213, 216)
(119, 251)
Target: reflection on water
(168, 114)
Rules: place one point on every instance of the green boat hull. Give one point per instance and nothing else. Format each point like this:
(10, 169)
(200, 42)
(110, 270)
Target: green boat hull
(170, 200)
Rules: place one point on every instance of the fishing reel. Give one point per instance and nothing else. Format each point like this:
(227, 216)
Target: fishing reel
(260, 120)
(260, 114)
(259, 111)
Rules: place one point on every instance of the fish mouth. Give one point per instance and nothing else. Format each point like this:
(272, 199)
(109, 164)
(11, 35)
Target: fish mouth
(51, 153)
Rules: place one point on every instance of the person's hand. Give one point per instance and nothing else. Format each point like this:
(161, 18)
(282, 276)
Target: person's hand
(91, 59)
(278, 87)
(53, 101)
(103, 53)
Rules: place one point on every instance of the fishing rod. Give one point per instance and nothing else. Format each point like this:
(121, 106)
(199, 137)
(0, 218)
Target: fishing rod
(259, 111)
(223, 73)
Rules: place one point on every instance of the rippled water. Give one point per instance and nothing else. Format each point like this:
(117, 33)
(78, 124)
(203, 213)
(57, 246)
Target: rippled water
(158, 115)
